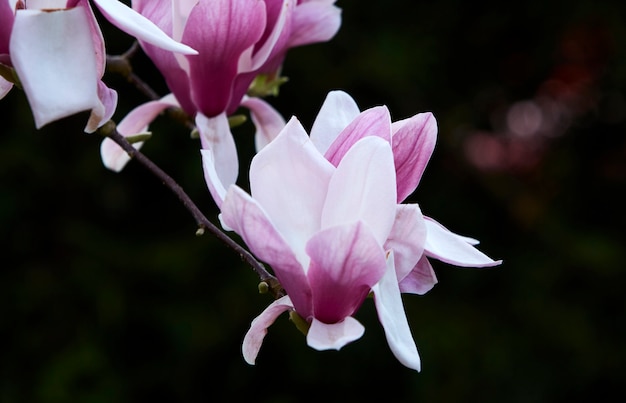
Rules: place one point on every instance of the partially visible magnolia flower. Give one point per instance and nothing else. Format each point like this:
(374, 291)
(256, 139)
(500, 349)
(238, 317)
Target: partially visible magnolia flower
(56, 50)
(237, 41)
(340, 124)
(284, 212)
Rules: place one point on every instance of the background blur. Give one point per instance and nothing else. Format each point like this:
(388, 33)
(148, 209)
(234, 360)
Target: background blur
(107, 294)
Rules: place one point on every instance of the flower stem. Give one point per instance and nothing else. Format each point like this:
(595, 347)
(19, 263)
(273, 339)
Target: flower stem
(109, 130)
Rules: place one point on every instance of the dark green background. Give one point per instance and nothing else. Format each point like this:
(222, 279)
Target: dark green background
(108, 296)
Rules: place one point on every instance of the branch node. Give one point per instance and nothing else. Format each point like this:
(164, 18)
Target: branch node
(263, 287)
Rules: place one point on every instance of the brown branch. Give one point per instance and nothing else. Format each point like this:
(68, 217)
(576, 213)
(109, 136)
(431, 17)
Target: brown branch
(120, 64)
(109, 130)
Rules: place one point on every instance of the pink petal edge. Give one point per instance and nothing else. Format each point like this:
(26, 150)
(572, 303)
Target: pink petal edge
(391, 314)
(324, 336)
(253, 339)
(445, 245)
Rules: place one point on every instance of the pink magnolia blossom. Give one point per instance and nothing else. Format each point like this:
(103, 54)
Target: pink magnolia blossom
(237, 40)
(323, 229)
(280, 196)
(57, 51)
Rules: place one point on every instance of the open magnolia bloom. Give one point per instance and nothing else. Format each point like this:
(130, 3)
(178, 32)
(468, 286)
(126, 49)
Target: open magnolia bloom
(373, 164)
(56, 50)
(323, 229)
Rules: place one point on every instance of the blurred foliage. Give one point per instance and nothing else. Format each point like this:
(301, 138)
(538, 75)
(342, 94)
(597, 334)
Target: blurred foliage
(109, 296)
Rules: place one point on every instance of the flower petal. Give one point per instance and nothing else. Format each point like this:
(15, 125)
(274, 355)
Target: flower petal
(315, 21)
(5, 87)
(173, 66)
(221, 42)
(289, 178)
(104, 109)
(407, 238)
(420, 280)
(393, 318)
(137, 121)
(451, 248)
(7, 14)
(267, 120)
(60, 89)
(248, 219)
(139, 26)
(215, 135)
(346, 261)
(372, 122)
(253, 339)
(254, 57)
(336, 113)
(333, 336)
(364, 188)
(413, 144)
(96, 34)
(215, 185)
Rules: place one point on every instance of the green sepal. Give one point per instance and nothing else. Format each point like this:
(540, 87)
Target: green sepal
(301, 324)
(136, 138)
(236, 120)
(266, 84)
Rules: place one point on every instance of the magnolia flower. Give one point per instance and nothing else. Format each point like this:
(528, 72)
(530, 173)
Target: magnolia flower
(237, 40)
(56, 50)
(280, 195)
(323, 229)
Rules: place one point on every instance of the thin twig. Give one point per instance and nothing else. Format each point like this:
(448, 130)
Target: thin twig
(120, 64)
(142, 86)
(109, 130)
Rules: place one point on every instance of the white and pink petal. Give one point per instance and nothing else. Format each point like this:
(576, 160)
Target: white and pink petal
(390, 309)
(247, 218)
(280, 21)
(314, 22)
(60, 89)
(451, 248)
(371, 122)
(135, 122)
(407, 238)
(289, 178)
(363, 188)
(413, 143)
(420, 280)
(139, 26)
(346, 261)
(336, 113)
(333, 336)
(215, 135)
(5, 87)
(253, 339)
(220, 44)
(267, 121)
